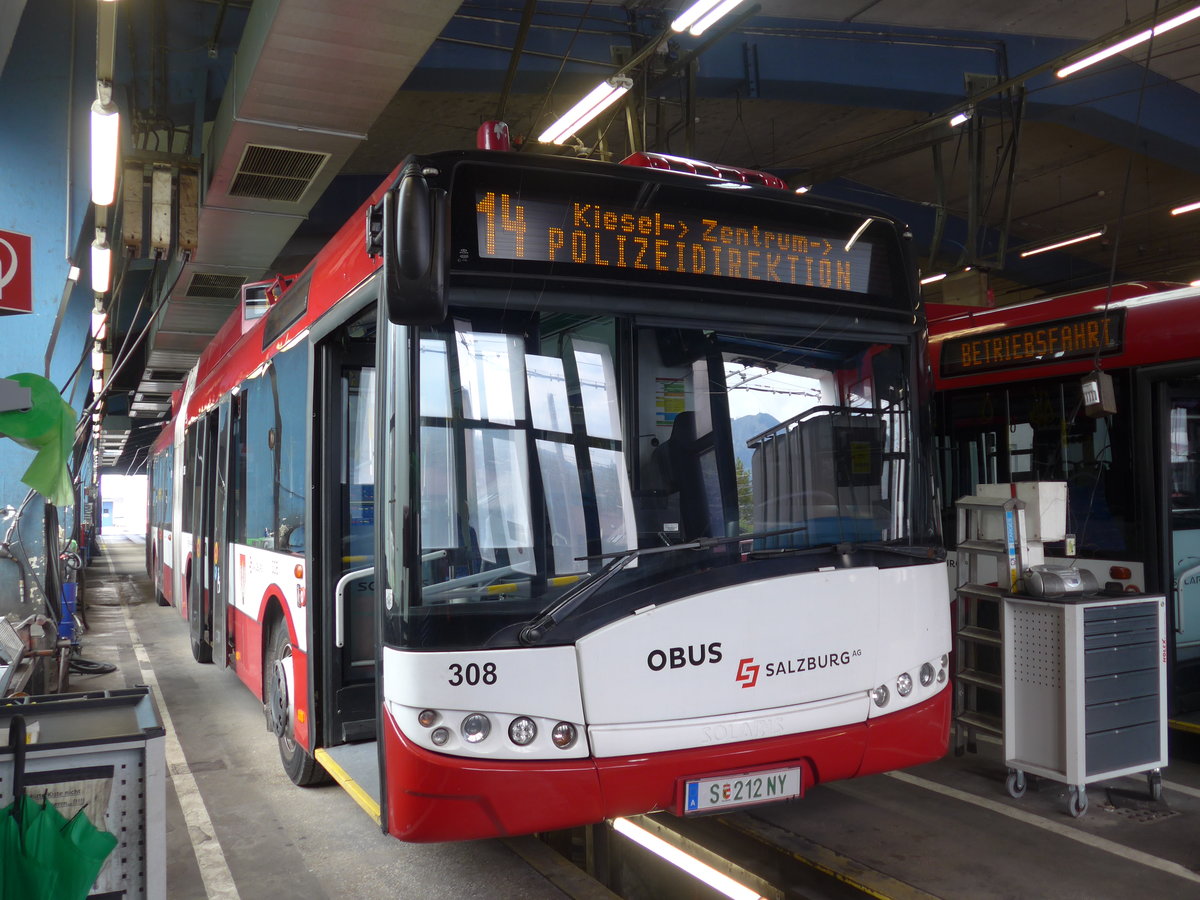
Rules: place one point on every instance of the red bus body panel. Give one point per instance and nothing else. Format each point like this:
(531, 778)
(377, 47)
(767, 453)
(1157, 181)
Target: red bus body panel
(434, 797)
(1162, 324)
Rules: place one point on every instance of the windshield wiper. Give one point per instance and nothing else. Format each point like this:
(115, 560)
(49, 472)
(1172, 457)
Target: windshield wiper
(909, 551)
(566, 605)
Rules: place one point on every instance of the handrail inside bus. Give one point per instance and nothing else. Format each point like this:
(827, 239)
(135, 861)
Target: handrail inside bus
(339, 604)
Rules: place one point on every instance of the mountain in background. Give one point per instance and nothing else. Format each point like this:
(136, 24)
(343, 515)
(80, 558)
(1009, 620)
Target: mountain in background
(747, 427)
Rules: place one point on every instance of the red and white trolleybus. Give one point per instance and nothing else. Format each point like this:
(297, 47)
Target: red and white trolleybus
(556, 490)
(1011, 407)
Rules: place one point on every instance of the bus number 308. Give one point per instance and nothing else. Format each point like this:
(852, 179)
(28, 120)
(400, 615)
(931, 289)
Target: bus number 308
(472, 674)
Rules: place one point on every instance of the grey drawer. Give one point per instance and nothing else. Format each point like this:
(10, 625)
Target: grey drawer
(1122, 686)
(1110, 660)
(1095, 616)
(1123, 747)
(1146, 630)
(1120, 714)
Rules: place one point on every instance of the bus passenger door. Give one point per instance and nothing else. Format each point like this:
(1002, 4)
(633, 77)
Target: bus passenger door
(346, 517)
(202, 476)
(1182, 483)
(219, 531)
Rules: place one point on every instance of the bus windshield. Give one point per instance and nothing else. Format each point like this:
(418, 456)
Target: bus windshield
(550, 442)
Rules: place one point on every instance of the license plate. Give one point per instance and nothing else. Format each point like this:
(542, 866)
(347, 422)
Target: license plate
(727, 791)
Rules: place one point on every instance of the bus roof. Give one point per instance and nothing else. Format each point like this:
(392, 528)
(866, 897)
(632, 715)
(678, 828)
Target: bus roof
(1135, 324)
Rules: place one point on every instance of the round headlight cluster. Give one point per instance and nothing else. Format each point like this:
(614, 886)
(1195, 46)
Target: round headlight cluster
(476, 727)
(904, 684)
(881, 695)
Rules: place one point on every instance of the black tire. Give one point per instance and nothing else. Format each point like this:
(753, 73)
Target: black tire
(160, 599)
(300, 767)
(201, 650)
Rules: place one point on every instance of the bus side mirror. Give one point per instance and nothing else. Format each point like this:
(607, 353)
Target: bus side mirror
(409, 227)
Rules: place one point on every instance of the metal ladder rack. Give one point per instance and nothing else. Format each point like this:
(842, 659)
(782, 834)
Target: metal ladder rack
(988, 527)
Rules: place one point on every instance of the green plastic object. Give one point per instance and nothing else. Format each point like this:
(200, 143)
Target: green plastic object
(47, 427)
(43, 855)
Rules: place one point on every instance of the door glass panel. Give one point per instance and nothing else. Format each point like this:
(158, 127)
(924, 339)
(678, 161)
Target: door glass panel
(358, 492)
(1184, 496)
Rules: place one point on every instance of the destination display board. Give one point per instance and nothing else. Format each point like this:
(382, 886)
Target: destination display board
(669, 240)
(1063, 339)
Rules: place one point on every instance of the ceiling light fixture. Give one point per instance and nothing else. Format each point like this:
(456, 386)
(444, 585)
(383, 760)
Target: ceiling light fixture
(803, 189)
(932, 278)
(961, 118)
(101, 262)
(701, 14)
(1124, 44)
(106, 142)
(605, 95)
(1186, 208)
(1065, 242)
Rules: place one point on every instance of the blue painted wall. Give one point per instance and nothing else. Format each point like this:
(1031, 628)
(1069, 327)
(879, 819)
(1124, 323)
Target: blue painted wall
(46, 89)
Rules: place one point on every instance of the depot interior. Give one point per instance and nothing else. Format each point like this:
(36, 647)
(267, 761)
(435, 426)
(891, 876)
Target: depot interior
(245, 133)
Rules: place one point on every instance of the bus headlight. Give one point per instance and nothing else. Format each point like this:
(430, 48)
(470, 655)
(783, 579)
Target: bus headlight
(926, 674)
(522, 731)
(440, 736)
(427, 718)
(904, 684)
(563, 735)
(881, 695)
(475, 728)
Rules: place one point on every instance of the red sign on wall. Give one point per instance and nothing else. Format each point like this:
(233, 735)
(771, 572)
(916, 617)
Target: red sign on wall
(16, 273)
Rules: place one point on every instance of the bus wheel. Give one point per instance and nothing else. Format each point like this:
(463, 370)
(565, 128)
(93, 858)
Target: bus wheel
(160, 599)
(300, 767)
(201, 650)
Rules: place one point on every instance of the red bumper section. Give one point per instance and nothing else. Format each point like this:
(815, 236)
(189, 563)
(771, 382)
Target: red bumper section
(433, 797)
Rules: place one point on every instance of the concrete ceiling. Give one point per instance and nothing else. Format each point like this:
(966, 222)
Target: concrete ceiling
(851, 97)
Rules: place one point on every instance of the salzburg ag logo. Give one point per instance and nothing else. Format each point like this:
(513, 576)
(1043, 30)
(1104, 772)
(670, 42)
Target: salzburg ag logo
(747, 673)
(748, 670)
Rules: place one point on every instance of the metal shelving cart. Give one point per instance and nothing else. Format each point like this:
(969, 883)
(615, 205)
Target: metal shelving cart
(1084, 691)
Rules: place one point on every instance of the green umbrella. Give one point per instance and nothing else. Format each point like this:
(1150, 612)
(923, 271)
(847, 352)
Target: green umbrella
(42, 853)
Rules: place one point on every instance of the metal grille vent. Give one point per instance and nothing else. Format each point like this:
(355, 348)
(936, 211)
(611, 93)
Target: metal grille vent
(215, 287)
(275, 173)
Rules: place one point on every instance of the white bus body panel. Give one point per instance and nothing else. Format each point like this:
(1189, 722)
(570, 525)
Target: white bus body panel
(784, 656)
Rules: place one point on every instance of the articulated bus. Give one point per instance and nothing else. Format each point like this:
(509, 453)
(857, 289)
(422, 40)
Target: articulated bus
(1011, 406)
(557, 490)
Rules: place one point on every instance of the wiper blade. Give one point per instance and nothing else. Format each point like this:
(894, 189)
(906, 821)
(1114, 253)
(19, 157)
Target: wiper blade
(910, 551)
(572, 599)
(566, 605)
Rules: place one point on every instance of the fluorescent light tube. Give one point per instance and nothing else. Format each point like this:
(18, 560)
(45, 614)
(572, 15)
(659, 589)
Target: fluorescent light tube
(706, 21)
(1133, 41)
(932, 278)
(1063, 243)
(106, 128)
(961, 118)
(1187, 208)
(101, 264)
(692, 14)
(605, 95)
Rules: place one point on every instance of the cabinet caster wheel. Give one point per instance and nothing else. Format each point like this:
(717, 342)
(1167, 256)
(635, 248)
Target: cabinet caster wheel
(1077, 802)
(1154, 780)
(1015, 783)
